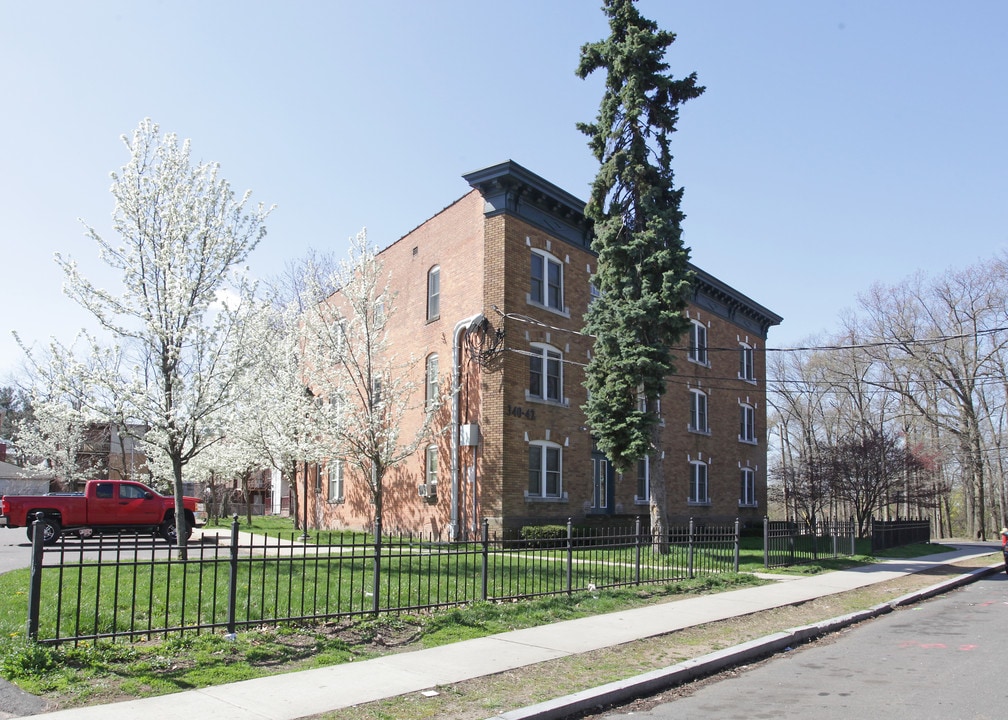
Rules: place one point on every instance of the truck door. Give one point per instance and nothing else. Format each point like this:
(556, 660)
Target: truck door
(138, 505)
(102, 506)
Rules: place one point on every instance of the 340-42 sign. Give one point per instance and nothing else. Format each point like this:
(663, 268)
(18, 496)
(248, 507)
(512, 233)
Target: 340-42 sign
(521, 412)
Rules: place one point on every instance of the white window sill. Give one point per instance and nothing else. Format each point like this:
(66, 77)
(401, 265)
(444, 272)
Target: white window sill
(565, 403)
(545, 499)
(562, 313)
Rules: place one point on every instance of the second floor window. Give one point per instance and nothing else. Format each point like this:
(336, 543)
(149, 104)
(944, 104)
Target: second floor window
(545, 373)
(698, 412)
(698, 342)
(434, 293)
(546, 286)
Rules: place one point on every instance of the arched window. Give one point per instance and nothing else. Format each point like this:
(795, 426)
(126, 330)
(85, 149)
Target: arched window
(433, 382)
(545, 470)
(698, 491)
(434, 293)
(545, 373)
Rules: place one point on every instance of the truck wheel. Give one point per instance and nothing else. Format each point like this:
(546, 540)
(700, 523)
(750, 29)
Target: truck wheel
(51, 531)
(168, 532)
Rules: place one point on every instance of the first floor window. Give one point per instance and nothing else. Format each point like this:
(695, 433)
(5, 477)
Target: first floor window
(698, 483)
(545, 470)
(747, 495)
(432, 453)
(335, 471)
(747, 424)
(643, 479)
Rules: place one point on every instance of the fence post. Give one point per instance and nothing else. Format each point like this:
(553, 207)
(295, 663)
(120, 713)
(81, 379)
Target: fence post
(570, 557)
(486, 554)
(637, 546)
(738, 540)
(853, 537)
(766, 541)
(376, 584)
(689, 552)
(233, 586)
(35, 584)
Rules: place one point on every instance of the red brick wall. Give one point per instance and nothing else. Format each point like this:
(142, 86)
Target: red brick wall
(485, 268)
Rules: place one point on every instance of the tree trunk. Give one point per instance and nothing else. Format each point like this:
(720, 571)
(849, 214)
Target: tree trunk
(657, 500)
(181, 536)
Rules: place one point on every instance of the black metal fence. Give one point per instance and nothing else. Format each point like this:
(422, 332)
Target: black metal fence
(894, 533)
(792, 543)
(136, 589)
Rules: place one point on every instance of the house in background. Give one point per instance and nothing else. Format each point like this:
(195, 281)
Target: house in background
(491, 295)
(18, 480)
(109, 452)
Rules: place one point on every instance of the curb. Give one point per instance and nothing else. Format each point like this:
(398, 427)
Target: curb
(656, 681)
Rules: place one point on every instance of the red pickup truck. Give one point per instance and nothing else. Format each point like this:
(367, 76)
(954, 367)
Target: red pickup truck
(104, 506)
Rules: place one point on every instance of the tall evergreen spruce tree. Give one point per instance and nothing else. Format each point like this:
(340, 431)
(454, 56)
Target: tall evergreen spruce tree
(643, 272)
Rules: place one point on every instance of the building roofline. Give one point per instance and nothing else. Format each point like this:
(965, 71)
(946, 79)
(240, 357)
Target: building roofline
(510, 187)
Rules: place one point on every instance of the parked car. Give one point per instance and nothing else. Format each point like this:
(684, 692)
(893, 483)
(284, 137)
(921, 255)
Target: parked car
(104, 506)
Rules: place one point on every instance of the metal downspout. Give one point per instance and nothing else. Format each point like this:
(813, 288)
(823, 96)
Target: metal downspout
(460, 327)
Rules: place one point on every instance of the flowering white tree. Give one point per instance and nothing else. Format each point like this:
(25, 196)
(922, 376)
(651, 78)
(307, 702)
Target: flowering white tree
(183, 235)
(52, 439)
(365, 388)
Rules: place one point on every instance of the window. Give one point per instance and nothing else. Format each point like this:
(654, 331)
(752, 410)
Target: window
(698, 412)
(747, 494)
(600, 482)
(747, 424)
(593, 293)
(545, 373)
(104, 491)
(434, 293)
(376, 392)
(431, 465)
(334, 471)
(545, 466)
(433, 395)
(698, 483)
(746, 371)
(546, 286)
(643, 480)
(131, 492)
(698, 343)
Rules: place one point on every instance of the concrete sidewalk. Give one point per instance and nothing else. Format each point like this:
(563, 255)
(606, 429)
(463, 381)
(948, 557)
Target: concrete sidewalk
(300, 694)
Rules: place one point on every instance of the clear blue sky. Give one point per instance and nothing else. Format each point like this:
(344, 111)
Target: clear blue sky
(839, 143)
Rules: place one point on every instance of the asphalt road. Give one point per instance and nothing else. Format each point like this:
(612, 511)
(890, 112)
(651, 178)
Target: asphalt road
(942, 658)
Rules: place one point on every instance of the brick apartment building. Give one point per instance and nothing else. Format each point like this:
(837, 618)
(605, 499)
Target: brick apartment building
(491, 297)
